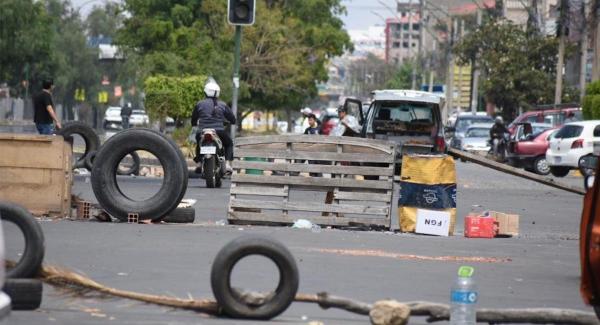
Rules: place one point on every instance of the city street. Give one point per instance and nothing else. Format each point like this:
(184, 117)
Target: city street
(540, 268)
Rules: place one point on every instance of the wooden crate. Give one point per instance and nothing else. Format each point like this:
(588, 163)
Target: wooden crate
(35, 172)
(331, 181)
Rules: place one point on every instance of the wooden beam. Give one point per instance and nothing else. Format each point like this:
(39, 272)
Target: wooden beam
(236, 217)
(311, 181)
(314, 168)
(513, 171)
(309, 155)
(310, 206)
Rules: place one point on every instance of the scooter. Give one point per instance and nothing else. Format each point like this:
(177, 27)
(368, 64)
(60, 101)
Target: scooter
(212, 158)
(498, 148)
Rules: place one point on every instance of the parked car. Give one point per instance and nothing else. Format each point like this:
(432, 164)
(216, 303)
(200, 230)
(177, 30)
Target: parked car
(555, 117)
(527, 148)
(410, 118)
(139, 118)
(329, 120)
(476, 139)
(572, 142)
(463, 121)
(112, 118)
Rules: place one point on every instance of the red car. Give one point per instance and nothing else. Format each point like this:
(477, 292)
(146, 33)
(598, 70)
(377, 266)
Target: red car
(555, 117)
(527, 147)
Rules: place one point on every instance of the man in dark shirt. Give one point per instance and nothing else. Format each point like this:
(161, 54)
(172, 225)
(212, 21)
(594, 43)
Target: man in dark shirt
(125, 116)
(44, 110)
(313, 126)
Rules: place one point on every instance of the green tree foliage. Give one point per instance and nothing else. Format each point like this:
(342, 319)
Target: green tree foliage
(591, 101)
(172, 96)
(402, 78)
(518, 68)
(283, 54)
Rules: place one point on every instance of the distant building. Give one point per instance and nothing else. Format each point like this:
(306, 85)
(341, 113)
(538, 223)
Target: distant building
(402, 37)
(368, 41)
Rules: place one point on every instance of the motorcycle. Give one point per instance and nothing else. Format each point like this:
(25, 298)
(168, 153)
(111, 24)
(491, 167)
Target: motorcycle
(212, 158)
(498, 148)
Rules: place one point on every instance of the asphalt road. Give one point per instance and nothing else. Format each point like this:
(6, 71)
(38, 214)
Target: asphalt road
(540, 268)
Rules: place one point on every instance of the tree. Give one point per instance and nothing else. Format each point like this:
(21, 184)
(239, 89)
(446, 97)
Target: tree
(518, 67)
(591, 101)
(172, 96)
(283, 54)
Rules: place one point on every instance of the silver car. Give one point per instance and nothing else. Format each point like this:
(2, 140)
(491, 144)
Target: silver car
(476, 139)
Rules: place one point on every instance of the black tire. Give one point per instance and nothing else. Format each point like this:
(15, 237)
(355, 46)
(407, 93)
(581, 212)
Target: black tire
(218, 181)
(181, 215)
(209, 172)
(25, 294)
(89, 159)
(91, 139)
(134, 169)
(558, 171)
(33, 255)
(540, 166)
(104, 182)
(233, 252)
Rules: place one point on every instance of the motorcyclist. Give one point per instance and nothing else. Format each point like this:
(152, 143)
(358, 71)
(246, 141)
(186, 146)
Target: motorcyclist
(497, 132)
(210, 113)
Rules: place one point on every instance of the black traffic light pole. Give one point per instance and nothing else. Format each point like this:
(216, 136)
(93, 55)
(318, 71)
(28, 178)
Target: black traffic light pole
(236, 76)
(239, 12)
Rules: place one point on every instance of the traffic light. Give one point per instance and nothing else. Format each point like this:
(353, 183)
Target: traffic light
(241, 12)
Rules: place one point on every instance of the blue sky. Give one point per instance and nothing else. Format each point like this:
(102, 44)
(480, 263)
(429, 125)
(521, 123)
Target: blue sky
(364, 13)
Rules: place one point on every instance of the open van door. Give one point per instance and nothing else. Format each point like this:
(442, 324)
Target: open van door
(354, 107)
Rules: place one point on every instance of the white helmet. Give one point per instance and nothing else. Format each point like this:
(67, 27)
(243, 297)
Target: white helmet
(212, 89)
(499, 119)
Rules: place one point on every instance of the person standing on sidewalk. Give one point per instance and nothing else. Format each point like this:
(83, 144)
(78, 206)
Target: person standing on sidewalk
(44, 114)
(125, 115)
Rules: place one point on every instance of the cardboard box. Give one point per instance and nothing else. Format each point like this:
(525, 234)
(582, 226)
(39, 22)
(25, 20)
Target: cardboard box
(508, 224)
(480, 227)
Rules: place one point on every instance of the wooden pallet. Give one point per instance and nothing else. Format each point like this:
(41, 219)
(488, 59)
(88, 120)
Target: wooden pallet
(331, 181)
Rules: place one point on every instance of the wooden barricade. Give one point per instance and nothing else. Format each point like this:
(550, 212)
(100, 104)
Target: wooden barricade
(331, 181)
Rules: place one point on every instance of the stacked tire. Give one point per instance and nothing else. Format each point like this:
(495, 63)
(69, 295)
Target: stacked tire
(24, 291)
(91, 139)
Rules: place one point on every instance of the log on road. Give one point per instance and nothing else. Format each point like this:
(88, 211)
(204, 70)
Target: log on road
(549, 181)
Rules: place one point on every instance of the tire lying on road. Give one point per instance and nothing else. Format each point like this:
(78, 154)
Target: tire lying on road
(25, 294)
(276, 302)
(181, 215)
(104, 175)
(134, 169)
(33, 255)
(91, 139)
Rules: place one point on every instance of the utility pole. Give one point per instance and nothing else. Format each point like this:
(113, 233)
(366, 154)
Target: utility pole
(595, 25)
(410, 51)
(475, 72)
(452, 26)
(561, 51)
(584, 50)
(459, 85)
(421, 35)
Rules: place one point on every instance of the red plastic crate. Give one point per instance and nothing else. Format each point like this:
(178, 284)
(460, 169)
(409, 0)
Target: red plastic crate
(480, 227)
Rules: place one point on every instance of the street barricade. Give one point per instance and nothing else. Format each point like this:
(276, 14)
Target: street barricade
(330, 181)
(35, 172)
(427, 191)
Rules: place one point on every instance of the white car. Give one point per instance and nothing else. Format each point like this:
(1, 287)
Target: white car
(476, 139)
(112, 118)
(572, 142)
(139, 118)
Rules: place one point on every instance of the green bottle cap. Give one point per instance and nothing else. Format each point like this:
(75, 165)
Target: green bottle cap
(465, 271)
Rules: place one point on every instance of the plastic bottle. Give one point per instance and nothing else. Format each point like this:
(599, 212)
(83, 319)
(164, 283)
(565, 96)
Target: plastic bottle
(463, 298)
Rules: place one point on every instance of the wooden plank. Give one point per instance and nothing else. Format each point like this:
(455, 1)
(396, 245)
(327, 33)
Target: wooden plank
(258, 218)
(361, 196)
(381, 145)
(306, 155)
(259, 190)
(311, 181)
(514, 171)
(314, 168)
(310, 206)
(38, 153)
(27, 137)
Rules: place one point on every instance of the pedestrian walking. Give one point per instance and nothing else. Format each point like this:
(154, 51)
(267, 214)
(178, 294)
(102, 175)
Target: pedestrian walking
(44, 116)
(125, 115)
(348, 125)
